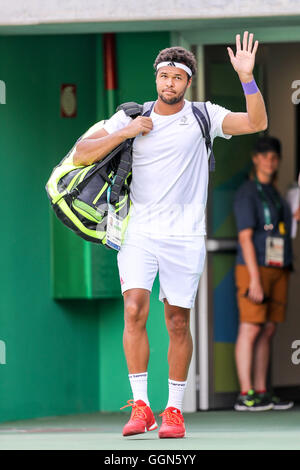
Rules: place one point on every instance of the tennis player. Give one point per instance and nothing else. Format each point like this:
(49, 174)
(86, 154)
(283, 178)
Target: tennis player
(166, 230)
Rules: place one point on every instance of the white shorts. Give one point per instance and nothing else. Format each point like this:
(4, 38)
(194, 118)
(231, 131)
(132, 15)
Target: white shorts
(179, 261)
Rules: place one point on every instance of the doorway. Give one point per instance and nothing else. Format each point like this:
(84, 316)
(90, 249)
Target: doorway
(216, 315)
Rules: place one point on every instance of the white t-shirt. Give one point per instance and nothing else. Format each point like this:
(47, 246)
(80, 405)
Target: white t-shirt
(168, 190)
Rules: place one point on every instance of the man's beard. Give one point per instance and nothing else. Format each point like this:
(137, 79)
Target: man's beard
(174, 100)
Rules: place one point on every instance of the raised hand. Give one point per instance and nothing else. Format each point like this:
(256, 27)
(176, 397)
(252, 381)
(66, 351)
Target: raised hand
(244, 59)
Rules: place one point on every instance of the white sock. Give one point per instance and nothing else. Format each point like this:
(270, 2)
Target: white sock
(176, 393)
(138, 384)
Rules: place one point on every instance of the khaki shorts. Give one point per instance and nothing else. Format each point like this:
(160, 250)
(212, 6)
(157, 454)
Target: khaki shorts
(275, 286)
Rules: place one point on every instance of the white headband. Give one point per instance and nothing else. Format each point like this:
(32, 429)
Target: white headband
(175, 64)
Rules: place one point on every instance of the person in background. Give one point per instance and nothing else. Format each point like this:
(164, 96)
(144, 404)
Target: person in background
(263, 266)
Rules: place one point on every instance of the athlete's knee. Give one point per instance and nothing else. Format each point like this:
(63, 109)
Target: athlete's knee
(135, 315)
(178, 324)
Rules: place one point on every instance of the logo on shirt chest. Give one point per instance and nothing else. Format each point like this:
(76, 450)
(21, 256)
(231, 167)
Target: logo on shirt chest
(184, 121)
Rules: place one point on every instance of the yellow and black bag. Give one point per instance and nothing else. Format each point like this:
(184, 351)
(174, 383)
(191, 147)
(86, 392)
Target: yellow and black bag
(78, 194)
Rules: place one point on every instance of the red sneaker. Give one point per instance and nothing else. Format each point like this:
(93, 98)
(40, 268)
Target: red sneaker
(172, 423)
(141, 419)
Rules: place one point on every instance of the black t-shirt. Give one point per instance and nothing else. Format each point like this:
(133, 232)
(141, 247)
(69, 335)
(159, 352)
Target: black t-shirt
(249, 213)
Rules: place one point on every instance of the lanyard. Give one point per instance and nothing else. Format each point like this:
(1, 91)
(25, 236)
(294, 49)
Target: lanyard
(267, 213)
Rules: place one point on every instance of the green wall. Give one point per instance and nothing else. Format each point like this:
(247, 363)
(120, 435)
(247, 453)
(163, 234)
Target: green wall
(51, 347)
(61, 356)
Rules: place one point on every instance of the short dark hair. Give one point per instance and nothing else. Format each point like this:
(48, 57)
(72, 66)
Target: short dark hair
(267, 144)
(262, 145)
(177, 54)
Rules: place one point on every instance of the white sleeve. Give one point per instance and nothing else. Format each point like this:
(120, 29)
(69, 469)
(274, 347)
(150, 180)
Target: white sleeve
(117, 122)
(217, 114)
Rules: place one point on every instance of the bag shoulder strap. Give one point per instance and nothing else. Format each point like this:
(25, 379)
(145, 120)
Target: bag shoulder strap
(147, 108)
(131, 108)
(201, 114)
(134, 109)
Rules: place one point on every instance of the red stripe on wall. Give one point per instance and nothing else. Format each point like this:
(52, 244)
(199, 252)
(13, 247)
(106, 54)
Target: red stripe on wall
(109, 44)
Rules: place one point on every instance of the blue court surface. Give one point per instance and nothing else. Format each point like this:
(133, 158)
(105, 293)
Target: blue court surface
(209, 430)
